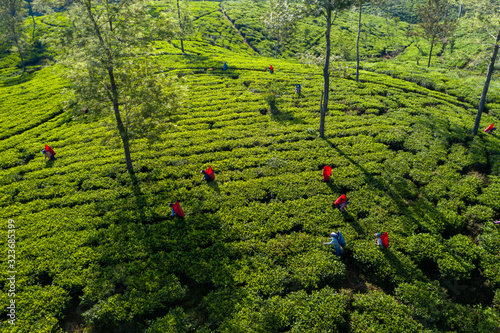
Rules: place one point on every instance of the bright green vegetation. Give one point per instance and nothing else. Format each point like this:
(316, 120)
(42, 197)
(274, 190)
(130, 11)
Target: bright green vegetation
(96, 253)
(378, 36)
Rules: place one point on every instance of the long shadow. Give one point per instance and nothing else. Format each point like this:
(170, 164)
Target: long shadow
(24, 77)
(49, 163)
(214, 185)
(352, 220)
(384, 186)
(286, 117)
(140, 200)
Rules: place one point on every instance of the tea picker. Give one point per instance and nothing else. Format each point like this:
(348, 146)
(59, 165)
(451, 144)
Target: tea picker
(337, 241)
(271, 69)
(382, 240)
(327, 171)
(49, 153)
(208, 174)
(497, 222)
(341, 203)
(224, 67)
(176, 209)
(297, 89)
(489, 129)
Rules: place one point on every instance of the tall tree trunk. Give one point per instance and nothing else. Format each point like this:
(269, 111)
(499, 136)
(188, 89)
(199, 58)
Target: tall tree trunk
(326, 86)
(180, 24)
(119, 122)
(482, 102)
(459, 11)
(114, 91)
(20, 55)
(357, 43)
(30, 9)
(277, 45)
(430, 53)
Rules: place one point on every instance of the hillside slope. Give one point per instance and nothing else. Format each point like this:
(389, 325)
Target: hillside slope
(94, 252)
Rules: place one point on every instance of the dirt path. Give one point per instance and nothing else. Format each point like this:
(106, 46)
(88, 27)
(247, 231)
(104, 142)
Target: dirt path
(239, 32)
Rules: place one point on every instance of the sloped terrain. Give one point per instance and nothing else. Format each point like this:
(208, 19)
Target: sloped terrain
(95, 252)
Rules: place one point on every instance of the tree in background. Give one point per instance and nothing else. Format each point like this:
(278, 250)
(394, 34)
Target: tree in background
(325, 8)
(280, 22)
(31, 12)
(104, 55)
(12, 28)
(359, 4)
(488, 14)
(184, 24)
(434, 23)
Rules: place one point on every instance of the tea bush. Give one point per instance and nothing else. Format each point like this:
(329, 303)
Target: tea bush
(99, 253)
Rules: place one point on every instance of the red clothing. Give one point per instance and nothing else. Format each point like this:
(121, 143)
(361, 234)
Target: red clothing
(327, 171)
(47, 148)
(210, 173)
(341, 199)
(271, 67)
(177, 209)
(489, 128)
(385, 240)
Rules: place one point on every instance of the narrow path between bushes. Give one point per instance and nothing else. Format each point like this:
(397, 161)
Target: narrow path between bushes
(239, 32)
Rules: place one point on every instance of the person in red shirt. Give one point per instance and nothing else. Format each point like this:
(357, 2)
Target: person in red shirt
(49, 153)
(271, 69)
(327, 172)
(489, 129)
(341, 203)
(176, 209)
(208, 174)
(382, 240)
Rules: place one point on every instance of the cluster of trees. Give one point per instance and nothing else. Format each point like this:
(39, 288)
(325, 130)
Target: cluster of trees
(435, 24)
(104, 47)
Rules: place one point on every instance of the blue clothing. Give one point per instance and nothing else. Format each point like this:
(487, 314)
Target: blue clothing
(379, 241)
(224, 67)
(207, 177)
(336, 246)
(173, 213)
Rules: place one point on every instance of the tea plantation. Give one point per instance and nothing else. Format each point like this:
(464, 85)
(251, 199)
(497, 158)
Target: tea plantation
(96, 253)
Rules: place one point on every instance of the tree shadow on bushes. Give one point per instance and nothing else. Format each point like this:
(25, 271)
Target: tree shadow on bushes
(414, 214)
(352, 220)
(214, 186)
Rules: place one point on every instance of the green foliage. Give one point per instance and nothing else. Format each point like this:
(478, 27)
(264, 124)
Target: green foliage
(376, 311)
(249, 256)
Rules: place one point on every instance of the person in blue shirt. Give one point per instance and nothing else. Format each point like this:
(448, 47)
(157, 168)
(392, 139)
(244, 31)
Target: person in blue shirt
(297, 89)
(337, 241)
(224, 67)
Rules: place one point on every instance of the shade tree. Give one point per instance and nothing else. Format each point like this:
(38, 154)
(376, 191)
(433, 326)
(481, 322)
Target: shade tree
(325, 8)
(280, 22)
(104, 51)
(488, 17)
(12, 27)
(434, 23)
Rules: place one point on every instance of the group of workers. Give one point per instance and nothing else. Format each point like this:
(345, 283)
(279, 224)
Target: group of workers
(337, 240)
(341, 203)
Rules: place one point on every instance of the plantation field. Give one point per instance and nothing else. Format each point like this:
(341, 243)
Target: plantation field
(94, 253)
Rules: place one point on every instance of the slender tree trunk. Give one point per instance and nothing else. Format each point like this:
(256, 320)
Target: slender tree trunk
(119, 122)
(180, 24)
(430, 53)
(277, 45)
(486, 85)
(459, 11)
(357, 43)
(30, 8)
(21, 55)
(114, 91)
(326, 86)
